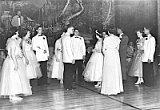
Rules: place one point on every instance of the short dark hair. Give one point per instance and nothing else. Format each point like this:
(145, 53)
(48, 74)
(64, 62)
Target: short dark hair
(13, 31)
(39, 26)
(75, 28)
(113, 31)
(24, 32)
(141, 31)
(36, 28)
(69, 27)
(120, 28)
(149, 28)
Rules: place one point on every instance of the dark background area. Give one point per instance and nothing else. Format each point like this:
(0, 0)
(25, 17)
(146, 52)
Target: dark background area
(130, 15)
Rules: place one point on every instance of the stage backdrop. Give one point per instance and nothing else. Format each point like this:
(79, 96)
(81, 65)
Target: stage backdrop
(87, 15)
(55, 15)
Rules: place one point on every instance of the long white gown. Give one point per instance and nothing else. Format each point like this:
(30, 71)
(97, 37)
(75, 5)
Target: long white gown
(93, 70)
(33, 69)
(57, 67)
(14, 81)
(112, 75)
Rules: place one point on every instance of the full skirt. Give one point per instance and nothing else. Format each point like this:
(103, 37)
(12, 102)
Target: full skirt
(93, 70)
(33, 69)
(57, 68)
(14, 81)
(136, 67)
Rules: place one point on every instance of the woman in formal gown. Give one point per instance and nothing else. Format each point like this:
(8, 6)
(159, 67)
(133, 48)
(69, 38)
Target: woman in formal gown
(112, 75)
(32, 65)
(136, 67)
(93, 70)
(57, 66)
(14, 80)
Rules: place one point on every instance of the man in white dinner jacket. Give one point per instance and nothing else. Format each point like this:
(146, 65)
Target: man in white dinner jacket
(79, 53)
(148, 58)
(68, 59)
(40, 46)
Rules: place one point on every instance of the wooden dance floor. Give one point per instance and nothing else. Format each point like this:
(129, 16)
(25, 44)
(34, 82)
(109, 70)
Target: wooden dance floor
(86, 97)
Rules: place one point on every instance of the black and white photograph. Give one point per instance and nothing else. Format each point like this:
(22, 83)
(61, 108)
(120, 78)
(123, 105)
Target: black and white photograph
(79, 55)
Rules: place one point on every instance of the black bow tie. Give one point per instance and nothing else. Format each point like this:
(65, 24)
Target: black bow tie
(42, 35)
(78, 37)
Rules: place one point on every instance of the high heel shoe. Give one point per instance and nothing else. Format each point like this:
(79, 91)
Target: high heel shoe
(15, 99)
(138, 82)
(98, 84)
(141, 81)
(61, 81)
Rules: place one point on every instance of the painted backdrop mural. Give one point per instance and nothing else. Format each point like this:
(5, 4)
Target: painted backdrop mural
(56, 14)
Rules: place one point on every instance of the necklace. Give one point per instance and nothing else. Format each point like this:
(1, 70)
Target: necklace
(28, 41)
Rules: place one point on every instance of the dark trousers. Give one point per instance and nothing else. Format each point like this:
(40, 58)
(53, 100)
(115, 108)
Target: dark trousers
(79, 69)
(43, 67)
(148, 74)
(68, 75)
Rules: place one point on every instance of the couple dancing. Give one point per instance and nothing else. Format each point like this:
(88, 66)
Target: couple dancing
(104, 65)
(142, 65)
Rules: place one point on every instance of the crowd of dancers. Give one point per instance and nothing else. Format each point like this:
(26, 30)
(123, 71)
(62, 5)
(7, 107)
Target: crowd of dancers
(22, 64)
(27, 59)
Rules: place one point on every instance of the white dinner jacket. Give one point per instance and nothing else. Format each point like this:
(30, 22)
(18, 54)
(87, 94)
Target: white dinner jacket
(39, 44)
(149, 48)
(78, 47)
(67, 52)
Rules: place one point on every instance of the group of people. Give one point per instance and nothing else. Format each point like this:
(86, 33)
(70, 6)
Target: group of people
(142, 63)
(9, 21)
(108, 64)
(104, 66)
(26, 59)
(67, 63)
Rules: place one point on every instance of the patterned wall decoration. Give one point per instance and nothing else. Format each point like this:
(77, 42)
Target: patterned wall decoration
(56, 14)
(108, 13)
